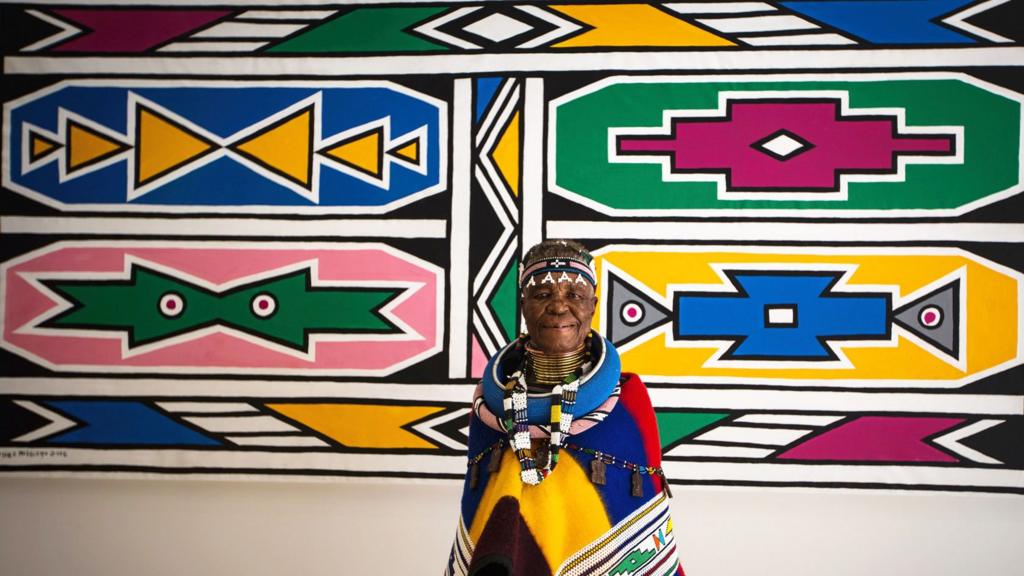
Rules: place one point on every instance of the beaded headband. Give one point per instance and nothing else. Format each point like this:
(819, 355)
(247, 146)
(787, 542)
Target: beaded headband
(557, 269)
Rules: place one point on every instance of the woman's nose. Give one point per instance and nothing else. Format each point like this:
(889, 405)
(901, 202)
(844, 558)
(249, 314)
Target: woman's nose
(557, 304)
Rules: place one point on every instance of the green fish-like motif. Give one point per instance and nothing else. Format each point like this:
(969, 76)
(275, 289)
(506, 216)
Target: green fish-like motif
(633, 561)
(151, 306)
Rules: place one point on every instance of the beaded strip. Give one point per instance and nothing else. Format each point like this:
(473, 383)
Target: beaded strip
(496, 446)
(609, 459)
(636, 469)
(559, 264)
(563, 402)
(474, 463)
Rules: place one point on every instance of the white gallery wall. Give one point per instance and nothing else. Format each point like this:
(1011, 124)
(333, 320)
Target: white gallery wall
(157, 527)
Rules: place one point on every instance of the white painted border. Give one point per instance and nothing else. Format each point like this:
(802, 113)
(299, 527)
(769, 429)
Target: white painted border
(223, 227)
(532, 192)
(458, 267)
(843, 402)
(890, 475)
(214, 389)
(736, 400)
(532, 62)
(181, 460)
(789, 231)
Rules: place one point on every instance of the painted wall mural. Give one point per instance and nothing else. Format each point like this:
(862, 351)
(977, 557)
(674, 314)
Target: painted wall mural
(266, 147)
(239, 239)
(883, 145)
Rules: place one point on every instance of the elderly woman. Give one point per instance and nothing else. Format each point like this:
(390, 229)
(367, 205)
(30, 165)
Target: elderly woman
(564, 471)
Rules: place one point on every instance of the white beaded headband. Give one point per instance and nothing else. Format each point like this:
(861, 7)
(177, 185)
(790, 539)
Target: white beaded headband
(558, 269)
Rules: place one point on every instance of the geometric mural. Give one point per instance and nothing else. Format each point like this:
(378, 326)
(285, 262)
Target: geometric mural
(228, 423)
(850, 317)
(854, 145)
(479, 26)
(497, 180)
(328, 147)
(284, 240)
(834, 437)
(198, 307)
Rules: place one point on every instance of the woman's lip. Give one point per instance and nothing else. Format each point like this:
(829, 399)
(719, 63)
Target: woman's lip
(558, 326)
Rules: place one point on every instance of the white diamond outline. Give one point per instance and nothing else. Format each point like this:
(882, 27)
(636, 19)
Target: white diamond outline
(494, 22)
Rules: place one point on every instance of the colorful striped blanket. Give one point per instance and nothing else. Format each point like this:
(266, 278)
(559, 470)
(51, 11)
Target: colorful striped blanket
(571, 524)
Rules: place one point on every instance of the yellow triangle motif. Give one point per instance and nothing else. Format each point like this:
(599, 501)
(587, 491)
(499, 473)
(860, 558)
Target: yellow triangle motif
(87, 147)
(162, 145)
(506, 153)
(361, 425)
(285, 147)
(410, 151)
(364, 152)
(40, 146)
(634, 25)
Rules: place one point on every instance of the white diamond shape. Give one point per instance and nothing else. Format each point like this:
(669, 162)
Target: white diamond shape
(497, 27)
(783, 145)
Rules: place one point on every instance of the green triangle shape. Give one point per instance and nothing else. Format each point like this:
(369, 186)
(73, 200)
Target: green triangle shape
(377, 29)
(503, 302)
(674, 426)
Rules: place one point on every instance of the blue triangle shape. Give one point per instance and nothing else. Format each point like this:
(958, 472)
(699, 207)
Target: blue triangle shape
(123, 422)
(887, 21)
(485, 90)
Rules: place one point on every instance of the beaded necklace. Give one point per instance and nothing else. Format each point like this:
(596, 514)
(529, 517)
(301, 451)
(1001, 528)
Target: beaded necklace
(563, 402)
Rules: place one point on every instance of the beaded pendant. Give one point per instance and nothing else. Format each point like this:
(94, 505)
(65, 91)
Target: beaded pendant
(517, 425)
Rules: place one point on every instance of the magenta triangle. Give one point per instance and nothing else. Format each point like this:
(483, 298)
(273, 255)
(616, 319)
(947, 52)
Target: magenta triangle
(115, 30)
(877, 439)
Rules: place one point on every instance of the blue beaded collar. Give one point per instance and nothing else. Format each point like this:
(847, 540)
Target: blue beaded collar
(595, 385)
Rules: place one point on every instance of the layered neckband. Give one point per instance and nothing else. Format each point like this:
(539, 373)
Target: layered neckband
(548, 370)
(599, 372)
(596, 383)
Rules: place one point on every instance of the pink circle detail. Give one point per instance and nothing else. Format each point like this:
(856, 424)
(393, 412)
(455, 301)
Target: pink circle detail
(930, 317)
(632, 313)
(264, 304)
(171, 304)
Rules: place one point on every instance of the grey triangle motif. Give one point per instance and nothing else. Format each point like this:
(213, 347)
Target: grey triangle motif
(630, 312)
(935, 318)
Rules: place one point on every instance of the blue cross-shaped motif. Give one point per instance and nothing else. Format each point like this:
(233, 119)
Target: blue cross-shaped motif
(819, 315)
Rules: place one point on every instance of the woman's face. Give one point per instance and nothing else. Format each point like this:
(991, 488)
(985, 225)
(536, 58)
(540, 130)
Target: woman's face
(558, 314)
